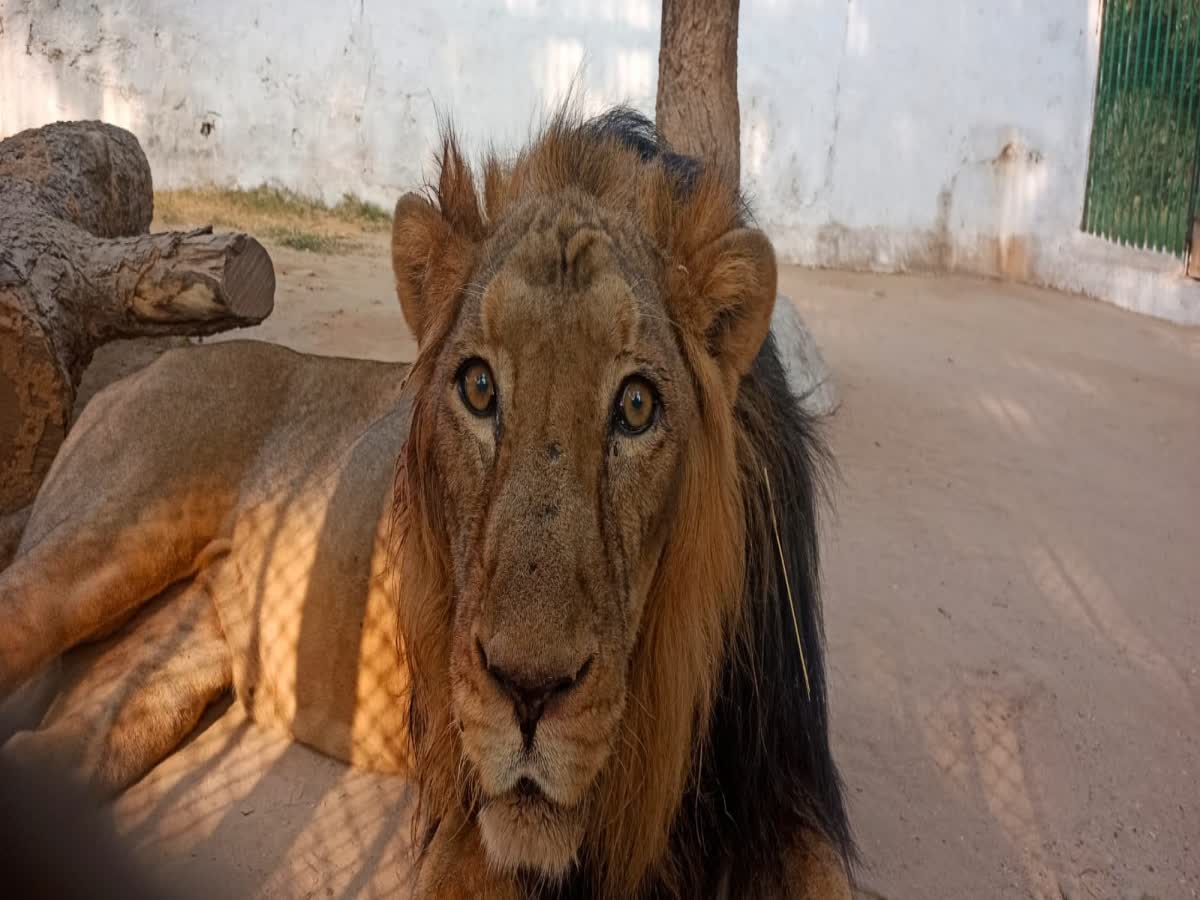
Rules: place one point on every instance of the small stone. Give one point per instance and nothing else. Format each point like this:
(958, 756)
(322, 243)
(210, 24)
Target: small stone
(808, 374)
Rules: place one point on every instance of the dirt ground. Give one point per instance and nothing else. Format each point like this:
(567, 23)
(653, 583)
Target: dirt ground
(1012, 605)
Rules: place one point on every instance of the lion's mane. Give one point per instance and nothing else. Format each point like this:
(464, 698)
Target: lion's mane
(723, 757)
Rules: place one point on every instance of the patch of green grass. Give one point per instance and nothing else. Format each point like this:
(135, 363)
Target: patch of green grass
(272, 200)
(310, 241)
(284, 202)
(355, 209)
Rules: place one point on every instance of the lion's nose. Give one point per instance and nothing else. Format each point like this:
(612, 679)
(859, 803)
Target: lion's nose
(529, 690)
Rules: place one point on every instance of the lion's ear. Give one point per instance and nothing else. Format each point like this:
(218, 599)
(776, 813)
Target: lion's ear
(731, 296)
(433, 243)
(419, 236)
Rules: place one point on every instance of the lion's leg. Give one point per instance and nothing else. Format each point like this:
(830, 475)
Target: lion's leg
(131, 699)
(85, 577)
(816, 871)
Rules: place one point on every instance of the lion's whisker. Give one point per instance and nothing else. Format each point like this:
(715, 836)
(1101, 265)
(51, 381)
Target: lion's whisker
(788, 585)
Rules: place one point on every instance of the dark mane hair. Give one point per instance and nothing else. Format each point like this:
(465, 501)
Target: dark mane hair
(770, 771)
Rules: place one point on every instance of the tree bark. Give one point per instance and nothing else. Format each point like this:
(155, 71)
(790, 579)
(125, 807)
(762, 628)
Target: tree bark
(77, 269)
(697, 108)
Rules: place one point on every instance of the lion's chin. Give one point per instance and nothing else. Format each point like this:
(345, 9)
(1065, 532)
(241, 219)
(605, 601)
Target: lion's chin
(522, 830)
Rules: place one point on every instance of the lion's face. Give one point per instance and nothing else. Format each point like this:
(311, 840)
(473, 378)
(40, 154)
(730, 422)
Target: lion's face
(568, 503)
(562, 407)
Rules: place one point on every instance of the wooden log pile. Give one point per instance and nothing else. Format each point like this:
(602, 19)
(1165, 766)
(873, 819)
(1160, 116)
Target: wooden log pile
(79, 268)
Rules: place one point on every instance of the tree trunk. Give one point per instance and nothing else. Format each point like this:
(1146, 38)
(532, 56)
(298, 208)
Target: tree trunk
(697, 108)
(77, 269)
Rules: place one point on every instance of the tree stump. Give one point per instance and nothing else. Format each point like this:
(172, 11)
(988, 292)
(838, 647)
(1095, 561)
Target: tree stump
(697, 112)
(78, 269)
(697, 104)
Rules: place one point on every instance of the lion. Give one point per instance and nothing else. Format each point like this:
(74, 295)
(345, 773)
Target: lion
(562, 571)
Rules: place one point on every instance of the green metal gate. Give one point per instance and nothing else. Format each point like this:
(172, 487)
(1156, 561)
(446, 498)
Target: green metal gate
(1142, 173)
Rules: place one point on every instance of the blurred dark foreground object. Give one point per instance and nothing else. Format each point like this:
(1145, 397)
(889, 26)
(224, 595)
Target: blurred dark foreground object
(56, 841)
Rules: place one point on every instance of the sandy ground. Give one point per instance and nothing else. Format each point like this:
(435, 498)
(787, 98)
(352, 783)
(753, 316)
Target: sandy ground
(1013, 606)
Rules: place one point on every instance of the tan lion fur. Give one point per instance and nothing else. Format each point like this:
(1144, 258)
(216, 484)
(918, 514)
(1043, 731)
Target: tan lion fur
(264, 473)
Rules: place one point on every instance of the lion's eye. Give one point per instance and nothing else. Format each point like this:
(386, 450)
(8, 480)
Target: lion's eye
(477, 387)
(636, 405)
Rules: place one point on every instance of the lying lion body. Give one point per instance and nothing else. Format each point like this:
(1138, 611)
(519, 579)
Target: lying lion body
(260, 478)
(562, 572)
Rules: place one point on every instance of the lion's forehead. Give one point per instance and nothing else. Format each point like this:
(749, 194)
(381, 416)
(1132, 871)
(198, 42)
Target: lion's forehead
(565, 288)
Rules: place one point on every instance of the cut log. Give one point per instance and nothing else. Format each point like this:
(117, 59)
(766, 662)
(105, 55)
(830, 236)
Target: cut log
(698, 114)
(90, 174)
(77, 269)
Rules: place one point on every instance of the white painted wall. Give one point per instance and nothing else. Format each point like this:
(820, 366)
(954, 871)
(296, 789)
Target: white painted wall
(876, 134)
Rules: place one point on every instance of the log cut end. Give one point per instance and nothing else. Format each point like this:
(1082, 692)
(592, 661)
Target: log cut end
(250, 281)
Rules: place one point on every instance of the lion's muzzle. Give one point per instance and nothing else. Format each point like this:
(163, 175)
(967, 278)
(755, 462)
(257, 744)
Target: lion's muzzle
(531, 689)
(537, 717)
(535, 709)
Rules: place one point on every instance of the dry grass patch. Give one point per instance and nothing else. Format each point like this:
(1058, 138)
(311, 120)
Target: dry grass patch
(276, 215)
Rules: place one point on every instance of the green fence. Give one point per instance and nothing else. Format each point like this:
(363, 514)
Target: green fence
(1142, 174)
